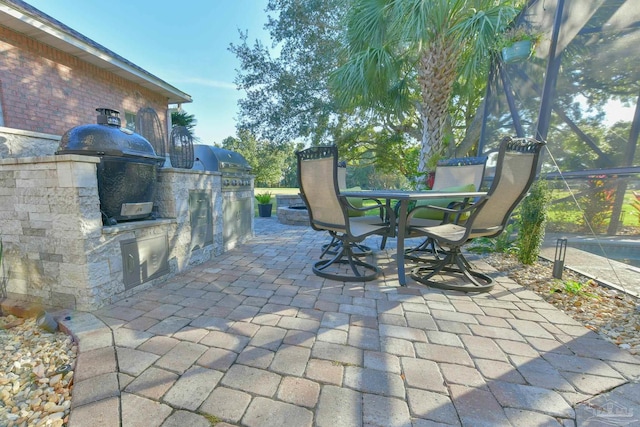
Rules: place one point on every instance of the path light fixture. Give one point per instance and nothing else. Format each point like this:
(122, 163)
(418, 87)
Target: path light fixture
(559, 257)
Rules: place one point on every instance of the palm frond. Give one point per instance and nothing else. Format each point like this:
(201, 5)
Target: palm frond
(365, 77)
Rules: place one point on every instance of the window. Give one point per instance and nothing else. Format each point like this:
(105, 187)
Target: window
(130, 119)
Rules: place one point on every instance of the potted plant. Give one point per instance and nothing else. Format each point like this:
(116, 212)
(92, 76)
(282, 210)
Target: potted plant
(517, 44)
(264, 204)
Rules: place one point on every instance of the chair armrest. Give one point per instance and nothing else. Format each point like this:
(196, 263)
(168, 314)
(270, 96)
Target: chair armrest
(454, 209)
(382, 215)
(386, 213)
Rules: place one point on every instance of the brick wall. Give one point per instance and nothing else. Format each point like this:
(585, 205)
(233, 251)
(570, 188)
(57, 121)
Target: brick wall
(46, 90)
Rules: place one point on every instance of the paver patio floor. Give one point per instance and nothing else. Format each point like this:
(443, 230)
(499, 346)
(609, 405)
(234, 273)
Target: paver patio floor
(253, 338)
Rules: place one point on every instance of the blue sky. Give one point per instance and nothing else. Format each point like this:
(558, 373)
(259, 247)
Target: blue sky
(183, 43)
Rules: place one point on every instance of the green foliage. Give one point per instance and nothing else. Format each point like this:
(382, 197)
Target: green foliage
(513, 35)
(564, 216)
(286, 89)
(182, 118)
(263, 198)
(532, 219)
(635, 204)
(572, 287)
(288, 96)
(410, 55)
(213, 420)
(597, 203)
(268, 160)
(503, 243)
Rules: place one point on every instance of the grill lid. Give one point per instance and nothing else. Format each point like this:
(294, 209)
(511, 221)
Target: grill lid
(218, 159)
(106, 138)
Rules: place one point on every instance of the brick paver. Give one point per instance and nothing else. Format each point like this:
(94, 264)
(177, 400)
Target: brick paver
(134, 362)
(290, 360)
(431, 406)
(299, 391)
(186, 418)
(152, 383)
(192, 388)
(265, 412)
(374, 381)
(339, 407)
(226, 404)
(181, 357)
(253, 338)
(141, 412)
(252, 380)
(385, 411)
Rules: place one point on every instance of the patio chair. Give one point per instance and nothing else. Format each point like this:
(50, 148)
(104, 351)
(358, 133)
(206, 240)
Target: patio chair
(515, 172)
(328, 211)
(455, 174)
(356, 213)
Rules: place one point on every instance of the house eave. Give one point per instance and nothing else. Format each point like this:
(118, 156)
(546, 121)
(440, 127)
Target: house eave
(37, 28)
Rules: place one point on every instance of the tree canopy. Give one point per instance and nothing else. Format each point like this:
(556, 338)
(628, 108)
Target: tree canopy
(410, 54)
(371, 76)
(268, 161)
(287, 89)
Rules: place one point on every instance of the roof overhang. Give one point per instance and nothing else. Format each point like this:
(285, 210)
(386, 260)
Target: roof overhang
(38, 28)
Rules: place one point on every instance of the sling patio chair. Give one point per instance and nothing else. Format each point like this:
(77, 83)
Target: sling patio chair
(516, 167)
(329, 211)
(356, 213)
(451, 175)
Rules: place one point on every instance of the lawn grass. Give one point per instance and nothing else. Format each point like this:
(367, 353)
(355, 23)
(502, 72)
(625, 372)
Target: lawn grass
(293, 191)
(563, 213)
(569, 213)
(274, 192)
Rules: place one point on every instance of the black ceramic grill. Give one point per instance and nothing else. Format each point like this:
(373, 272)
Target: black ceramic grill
(128, 166)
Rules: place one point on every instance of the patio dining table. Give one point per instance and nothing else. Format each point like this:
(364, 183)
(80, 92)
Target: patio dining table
(405, 197)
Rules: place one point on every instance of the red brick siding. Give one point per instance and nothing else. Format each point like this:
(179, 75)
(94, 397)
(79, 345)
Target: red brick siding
(47, 90)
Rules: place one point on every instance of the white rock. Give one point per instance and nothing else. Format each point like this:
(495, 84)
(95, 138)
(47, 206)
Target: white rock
(55, 379)
(38, 371)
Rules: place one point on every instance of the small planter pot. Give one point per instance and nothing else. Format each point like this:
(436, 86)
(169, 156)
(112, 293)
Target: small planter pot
(518, 51)
(264, 211)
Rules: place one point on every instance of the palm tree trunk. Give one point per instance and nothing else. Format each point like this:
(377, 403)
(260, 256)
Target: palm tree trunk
(436, 75)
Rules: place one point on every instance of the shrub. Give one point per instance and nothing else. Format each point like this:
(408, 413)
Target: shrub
(533, 216)
(503, 243)
(634, 204)
(263, 198)
(597, 204)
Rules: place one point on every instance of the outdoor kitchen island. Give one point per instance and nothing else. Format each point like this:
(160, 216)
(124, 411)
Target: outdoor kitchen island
(59, 252)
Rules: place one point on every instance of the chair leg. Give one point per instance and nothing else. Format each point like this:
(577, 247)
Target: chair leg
(454, 262)
(333, 246)
(429, 247)
(383, 243)
(362, 271)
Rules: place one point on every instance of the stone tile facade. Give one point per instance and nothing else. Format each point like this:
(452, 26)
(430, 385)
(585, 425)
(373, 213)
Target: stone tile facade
(57, 251)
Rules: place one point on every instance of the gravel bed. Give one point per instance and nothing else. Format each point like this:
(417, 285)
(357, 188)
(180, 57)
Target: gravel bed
(612, 314)
(36, 374)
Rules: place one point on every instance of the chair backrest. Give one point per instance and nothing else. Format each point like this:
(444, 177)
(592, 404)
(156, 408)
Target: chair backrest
(342, 176)
(318, 181)
(516, 168)
(459, 171)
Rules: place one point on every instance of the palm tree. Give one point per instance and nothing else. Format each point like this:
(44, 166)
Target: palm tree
(393, 44)
(182, 118)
